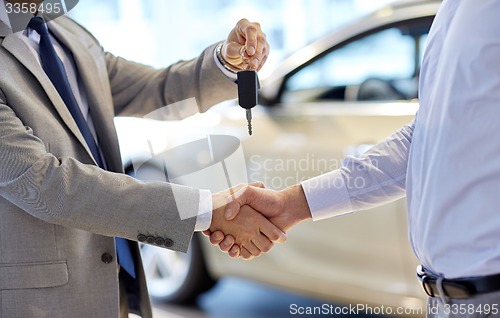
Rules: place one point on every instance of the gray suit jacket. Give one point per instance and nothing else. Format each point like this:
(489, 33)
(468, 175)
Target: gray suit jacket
(58, 211)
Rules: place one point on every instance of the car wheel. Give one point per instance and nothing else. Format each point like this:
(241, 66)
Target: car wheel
(175, 277)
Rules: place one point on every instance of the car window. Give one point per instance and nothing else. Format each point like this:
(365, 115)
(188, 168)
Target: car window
(380, 66)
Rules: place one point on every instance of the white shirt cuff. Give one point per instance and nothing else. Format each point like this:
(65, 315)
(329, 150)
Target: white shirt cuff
(327, 195)
(204, 218)
(232, 76)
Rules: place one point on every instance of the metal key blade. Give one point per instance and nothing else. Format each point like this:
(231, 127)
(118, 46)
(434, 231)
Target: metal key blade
(249, 121)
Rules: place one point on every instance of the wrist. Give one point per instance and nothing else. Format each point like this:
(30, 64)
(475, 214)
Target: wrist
(218, 205)
(296, 203)
(218, 53)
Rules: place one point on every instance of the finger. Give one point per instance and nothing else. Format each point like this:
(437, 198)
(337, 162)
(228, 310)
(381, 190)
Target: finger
(240, 30)
(253, 249)
(272, 232)
(227, 243)
(246, 254)
(234, 252)
(207, 233)
(263, 243)
(265, 55)
(252, 32)
(258, 184)
(255, 61)
(216, 237)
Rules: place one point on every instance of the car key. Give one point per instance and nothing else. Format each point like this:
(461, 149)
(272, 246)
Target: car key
(248, 88)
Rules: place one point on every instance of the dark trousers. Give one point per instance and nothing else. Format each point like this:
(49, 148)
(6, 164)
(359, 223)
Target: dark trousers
(478, 306)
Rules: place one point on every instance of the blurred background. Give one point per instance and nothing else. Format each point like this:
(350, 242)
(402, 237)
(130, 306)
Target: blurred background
(319, 116)
(165, 31)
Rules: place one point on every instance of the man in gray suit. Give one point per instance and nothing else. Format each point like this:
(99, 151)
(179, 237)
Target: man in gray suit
(61, 207)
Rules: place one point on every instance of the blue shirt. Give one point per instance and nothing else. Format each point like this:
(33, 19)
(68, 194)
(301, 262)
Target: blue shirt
(447, 161)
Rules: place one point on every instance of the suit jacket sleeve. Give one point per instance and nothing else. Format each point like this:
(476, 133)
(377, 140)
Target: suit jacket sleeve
(67, 192)
(138, 90)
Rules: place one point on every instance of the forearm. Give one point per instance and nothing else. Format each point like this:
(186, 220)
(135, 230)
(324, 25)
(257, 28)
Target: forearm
(69, 193)
(375, 178)
(296, 205)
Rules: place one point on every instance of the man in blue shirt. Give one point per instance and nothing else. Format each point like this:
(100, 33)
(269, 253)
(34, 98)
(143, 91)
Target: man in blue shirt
(446, 162)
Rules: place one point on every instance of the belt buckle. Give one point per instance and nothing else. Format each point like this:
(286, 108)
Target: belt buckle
(450, 288)
(425, 281)
(426, 286)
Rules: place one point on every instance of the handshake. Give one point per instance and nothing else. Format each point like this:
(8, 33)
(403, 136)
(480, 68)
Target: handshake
(248, 219)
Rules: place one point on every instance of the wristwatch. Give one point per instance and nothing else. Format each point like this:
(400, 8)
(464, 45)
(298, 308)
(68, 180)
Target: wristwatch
(218, 52)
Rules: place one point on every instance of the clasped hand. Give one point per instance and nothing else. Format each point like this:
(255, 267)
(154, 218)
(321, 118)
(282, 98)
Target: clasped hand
(248, 219)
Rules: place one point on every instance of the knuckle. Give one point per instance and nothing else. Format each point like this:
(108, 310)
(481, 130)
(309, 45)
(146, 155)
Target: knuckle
(252, 28)
(267, 248)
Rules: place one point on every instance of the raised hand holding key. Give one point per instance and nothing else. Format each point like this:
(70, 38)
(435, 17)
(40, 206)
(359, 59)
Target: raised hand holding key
(246, 50)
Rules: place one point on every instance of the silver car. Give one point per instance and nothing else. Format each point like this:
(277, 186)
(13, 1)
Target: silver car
(335, 97)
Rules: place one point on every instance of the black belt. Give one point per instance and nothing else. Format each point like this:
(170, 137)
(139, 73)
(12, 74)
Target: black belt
(459, 288)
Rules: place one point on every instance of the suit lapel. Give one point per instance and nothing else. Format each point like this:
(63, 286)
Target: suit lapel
(21, 52)
(100, 104)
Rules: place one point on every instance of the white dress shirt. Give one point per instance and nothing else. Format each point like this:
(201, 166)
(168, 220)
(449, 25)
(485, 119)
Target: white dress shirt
(32, 40)
(447, 161)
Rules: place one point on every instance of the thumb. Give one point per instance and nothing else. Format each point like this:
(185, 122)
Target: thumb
(232, 53)
(233, 206)
(258, 184)
(257, 197)
(239, 198)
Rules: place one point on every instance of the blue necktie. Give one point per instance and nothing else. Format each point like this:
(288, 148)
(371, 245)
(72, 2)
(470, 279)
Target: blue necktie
(54, 69)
